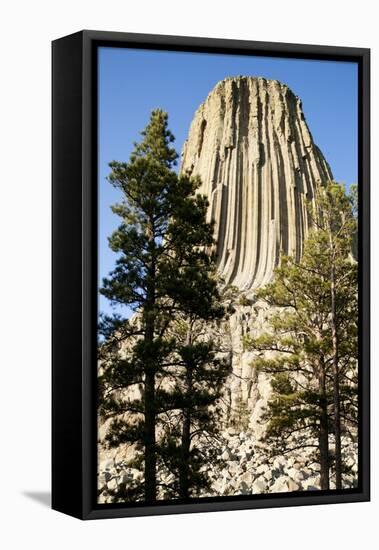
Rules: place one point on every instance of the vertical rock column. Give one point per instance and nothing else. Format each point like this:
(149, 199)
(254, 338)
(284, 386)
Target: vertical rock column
(258, 164)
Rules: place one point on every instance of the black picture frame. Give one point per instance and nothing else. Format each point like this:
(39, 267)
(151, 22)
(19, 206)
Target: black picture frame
(74, 271)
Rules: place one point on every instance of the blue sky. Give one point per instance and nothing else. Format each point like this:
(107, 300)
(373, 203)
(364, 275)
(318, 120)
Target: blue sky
(133, 82)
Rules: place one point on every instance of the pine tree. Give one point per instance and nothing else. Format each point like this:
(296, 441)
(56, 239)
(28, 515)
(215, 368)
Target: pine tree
(312, 347)
(164, 268)
(335, 230)
(193, 437)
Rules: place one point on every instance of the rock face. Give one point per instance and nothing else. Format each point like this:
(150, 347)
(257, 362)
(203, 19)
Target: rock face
(251, 146)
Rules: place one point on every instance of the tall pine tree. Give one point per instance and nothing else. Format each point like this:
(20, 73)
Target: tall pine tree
(193, 435)
(311, 348)
(163, 269)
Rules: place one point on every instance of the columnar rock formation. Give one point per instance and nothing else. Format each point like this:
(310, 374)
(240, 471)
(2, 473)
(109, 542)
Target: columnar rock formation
(253, 150)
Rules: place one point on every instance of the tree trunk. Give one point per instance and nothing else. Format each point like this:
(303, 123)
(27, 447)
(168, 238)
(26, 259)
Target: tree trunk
(336, 389)
(323, 434)
(184, 470)
(184, 481)
(150, 369)
(150, 451)
(337, 426)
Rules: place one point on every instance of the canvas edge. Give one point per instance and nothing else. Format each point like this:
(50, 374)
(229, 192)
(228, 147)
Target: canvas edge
(86, 507)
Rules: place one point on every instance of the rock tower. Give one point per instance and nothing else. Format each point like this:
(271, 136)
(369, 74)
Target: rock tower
(251, 146)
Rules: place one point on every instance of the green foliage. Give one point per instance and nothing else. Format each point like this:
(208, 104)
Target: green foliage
(240, 416)
(165, 273)
(299, 349)
(192, 433)
(244, 300)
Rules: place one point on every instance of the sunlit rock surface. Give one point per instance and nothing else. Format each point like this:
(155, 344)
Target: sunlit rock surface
(251, 146)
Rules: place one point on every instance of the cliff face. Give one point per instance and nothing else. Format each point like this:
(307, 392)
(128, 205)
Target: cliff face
(257, 161)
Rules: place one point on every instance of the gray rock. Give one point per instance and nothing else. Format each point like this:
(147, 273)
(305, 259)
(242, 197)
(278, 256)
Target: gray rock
(245, 489)
(292, 486)
(268, 475)
(247, 477)
(280, 485)
(279, 463)
(227, 455)
(311, 482)
(112, 484)
(259, 486)
(296, 475)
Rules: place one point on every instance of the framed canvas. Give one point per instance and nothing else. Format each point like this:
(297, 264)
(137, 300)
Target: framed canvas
(210, 275)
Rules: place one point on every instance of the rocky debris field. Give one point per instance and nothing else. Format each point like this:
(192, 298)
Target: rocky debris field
(244, 468)
(250, 470)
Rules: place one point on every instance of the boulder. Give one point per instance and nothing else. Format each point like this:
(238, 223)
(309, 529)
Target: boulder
(279, 486)
(259, 486)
